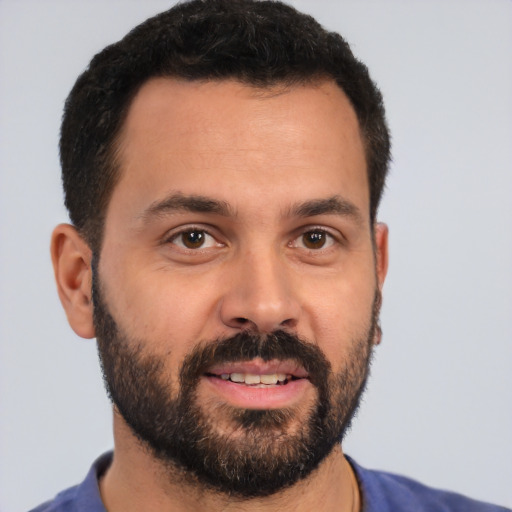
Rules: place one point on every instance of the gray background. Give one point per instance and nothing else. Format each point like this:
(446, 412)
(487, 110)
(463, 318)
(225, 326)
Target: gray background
(439, 402)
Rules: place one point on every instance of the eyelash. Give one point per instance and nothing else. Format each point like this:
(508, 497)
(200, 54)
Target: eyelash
(330, 239)
(188, 230)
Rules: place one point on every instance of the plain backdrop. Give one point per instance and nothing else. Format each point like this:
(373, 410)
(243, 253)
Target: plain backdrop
(439, 404)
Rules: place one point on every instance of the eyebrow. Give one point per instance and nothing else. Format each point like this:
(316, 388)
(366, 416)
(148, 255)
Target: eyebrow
(335, 205)
(187, 203)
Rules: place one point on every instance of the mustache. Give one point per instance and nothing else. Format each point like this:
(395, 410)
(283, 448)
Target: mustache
(246, 346)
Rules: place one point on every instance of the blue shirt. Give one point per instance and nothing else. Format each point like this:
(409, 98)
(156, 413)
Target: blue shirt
(380, 491)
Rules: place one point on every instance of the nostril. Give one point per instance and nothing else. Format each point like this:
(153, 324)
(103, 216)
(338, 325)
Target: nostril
(290, 323)
(241, 321)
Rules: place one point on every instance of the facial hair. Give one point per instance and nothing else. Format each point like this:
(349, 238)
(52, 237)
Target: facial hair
(266, 450)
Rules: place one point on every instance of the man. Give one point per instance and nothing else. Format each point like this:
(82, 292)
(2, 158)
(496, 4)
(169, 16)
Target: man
(223, 166)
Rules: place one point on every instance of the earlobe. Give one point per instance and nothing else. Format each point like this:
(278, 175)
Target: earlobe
(381, 252)
(71, 258)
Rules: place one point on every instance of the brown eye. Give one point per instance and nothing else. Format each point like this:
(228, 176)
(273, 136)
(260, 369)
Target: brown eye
(193, 239)
(314, 239)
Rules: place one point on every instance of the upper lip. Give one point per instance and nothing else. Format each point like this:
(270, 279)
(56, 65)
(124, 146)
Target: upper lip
(260, 367)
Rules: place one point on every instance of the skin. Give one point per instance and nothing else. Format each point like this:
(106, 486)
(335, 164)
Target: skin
(261, 154)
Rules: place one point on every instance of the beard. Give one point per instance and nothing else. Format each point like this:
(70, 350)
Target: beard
(258, 452)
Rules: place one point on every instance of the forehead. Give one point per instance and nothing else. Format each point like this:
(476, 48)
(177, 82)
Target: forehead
(231, 140)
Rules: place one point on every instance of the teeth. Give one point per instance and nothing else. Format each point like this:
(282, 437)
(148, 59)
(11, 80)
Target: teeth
(253, 379)
(269, 379)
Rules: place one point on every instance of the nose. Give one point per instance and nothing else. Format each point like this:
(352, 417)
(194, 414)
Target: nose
(260, 295)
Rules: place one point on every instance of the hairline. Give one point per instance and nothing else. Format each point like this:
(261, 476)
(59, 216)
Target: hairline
(93, 232)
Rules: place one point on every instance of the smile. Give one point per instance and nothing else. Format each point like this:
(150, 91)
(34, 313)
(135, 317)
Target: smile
(259, 385)
(252, 379)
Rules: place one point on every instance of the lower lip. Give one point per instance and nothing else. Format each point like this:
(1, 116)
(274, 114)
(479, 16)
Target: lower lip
(250, 397)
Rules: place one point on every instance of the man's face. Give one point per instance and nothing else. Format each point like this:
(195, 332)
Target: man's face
(236, 292)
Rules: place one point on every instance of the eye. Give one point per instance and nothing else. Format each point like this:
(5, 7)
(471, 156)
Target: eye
(194, 238)
(314, 239)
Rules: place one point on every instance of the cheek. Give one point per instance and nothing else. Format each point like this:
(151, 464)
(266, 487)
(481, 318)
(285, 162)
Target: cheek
(164, 309)
(342, 316)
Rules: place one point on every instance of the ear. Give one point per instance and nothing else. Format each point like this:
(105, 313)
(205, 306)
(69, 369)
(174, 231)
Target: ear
(71, 258)
(381, 252)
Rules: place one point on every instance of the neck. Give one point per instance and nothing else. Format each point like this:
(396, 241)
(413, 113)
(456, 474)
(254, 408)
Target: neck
(137, 481)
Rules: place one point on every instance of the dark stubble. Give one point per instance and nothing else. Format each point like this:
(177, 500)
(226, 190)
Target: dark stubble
(266, 455)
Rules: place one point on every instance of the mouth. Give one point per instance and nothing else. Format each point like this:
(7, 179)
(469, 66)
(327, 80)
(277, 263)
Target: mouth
(256, 380)
(257, 384)
(258, 372)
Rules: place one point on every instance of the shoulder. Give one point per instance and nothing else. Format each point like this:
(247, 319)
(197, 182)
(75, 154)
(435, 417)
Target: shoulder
(63, 502)
(83, 497)
(387, 492)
